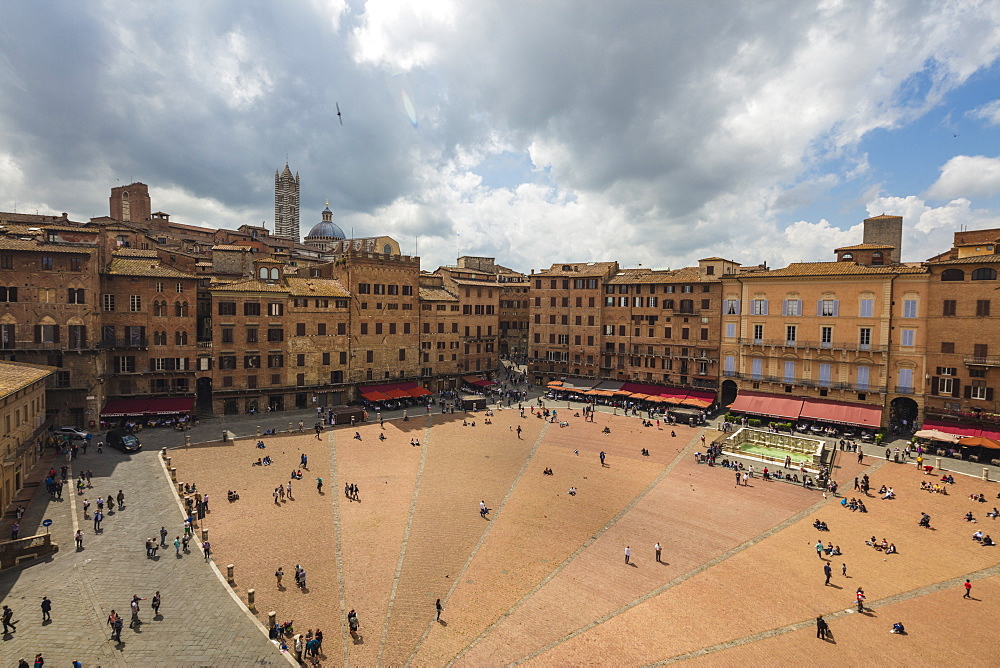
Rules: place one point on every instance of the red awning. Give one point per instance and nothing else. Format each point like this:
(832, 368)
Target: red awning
(135, 407)
(375, 396)
(171, 406)
(770, 405)
(125, 407)
(706, 395)
(954, 428)
(420, 392)
(842, 412)
(397, 394)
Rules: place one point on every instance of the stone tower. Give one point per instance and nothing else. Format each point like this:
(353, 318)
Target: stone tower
(887, 230)
(131, 204)
(286, 204)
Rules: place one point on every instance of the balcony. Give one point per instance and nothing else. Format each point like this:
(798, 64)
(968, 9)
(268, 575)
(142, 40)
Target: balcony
(904, 389)
(815, 345)
(989, 360)
(204, 345)
(127, 342)
(808, 382)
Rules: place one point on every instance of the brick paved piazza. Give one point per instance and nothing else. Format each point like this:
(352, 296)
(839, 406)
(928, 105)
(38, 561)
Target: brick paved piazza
(543, 580)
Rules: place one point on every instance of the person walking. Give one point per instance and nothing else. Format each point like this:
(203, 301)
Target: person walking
(658, 550)
(440, 609)
(819, 549)
(46, 609)
(483, 510)
(827, 571)
(177, 546)
(628, 554)
(602, 459)
(278, 574)
(98, 518)
(207, 547)
(121, 500)
(115, 622)
(79, 539)
(822, 628)
(134, 605)
(319, 484)
(843, 569)
(968, 589)
(738, 478)
(156, 604)
(163, 536)
(8, 619)
(15, 529)
(860, 597)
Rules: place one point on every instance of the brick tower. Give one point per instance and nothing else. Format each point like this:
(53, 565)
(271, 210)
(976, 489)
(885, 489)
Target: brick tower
(286, 204)
(886, 230)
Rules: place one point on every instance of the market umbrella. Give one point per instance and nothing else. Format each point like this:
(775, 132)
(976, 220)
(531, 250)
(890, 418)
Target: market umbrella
(979, 442)
(935, 435)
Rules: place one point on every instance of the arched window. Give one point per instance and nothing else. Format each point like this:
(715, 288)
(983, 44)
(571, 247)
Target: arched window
(984, 274)
(848, 256)
(387, 249)
(180, 338)
(263, 273)
(159, 308)
(952, 275)
(877, 257)
(159, 338)
(274, 273)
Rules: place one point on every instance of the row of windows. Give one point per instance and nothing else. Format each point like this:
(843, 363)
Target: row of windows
(981, 274)
(383, 289)
(949, 307)
(685, 305)
(824, 307)
(47, 263)
(46, 295)
(578, 284)
(667, 289)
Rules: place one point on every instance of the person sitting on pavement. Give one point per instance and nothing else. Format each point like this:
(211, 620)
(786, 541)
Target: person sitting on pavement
(969, 517)
(987, 541)
(891, 549)
(898, 628)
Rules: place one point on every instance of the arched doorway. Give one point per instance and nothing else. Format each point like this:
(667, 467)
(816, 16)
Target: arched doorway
(902, 415)
(729, 391)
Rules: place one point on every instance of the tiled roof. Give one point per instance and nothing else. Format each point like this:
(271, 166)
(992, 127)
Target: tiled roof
(316, 287)
(578, 269)
(16, 376)
(250, 285)
(435, 294)
(228, 247)
(972, 259)
(134, 252)
(203, 263)
(686, 274)
(11, 243)
(838, 269)
(130, 266)
(474, 283)
(864, 247)
(716, 259)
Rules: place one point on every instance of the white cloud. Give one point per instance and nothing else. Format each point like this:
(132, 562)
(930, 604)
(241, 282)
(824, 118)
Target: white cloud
(967, 176)
(990, 112)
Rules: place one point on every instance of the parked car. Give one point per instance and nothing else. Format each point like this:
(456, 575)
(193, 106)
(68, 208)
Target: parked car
(125, 441)
(73, 433)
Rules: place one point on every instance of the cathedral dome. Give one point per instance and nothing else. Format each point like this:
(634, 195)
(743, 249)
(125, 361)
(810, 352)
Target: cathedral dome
(326, 228)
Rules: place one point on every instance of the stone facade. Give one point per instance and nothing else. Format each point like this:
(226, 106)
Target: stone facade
(23, 408)
(963, 354)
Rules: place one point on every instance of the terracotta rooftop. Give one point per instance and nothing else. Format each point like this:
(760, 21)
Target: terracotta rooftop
(838, 269)
(141, 266)
(435, 294)
(134, 252)
(229, 247)
(250, 285)
(683, 275)
(864, 247)
(11, 243)
(972, 259)
(316, 287)
(16, 376)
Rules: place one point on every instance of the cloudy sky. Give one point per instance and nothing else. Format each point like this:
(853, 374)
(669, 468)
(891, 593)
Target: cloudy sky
(536, 132)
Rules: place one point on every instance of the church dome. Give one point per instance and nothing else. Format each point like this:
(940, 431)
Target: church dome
(326, 228)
